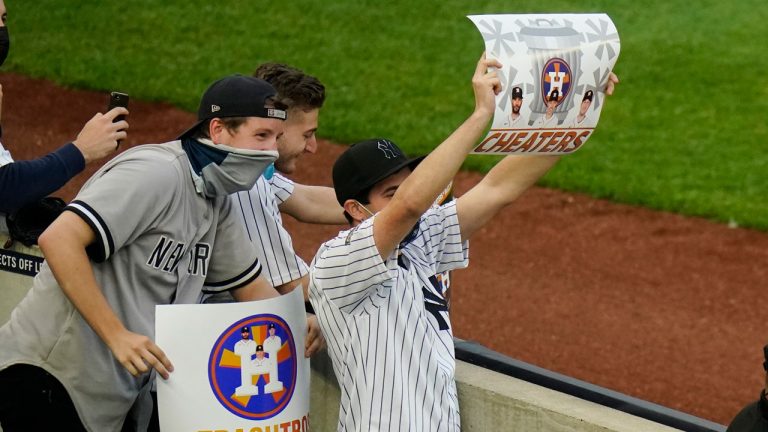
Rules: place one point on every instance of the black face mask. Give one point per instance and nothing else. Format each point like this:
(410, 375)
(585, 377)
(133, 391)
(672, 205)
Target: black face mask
(5, 44)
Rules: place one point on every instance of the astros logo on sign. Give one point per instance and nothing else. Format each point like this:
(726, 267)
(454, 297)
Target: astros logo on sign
(252, 367)
(556, 75)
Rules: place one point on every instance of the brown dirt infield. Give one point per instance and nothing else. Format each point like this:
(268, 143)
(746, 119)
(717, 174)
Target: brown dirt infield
(659, 306)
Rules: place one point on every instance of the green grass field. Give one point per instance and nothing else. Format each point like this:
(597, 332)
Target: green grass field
(685, 132)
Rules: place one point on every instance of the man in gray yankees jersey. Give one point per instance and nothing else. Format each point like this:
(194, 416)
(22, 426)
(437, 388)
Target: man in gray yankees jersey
(386, 324)
(153, 226)
(259, 208)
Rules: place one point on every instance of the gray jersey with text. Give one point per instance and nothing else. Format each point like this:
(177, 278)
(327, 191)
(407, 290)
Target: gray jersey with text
(157, 242)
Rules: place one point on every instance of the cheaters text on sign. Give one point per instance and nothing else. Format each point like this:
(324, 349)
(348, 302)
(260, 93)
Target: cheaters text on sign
(546, 141)
(15, 262)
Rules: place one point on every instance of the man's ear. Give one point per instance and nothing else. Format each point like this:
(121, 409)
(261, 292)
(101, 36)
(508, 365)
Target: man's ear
(216, 129)
(352, 207)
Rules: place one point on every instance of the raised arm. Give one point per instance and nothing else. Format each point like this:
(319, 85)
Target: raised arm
(417, 193)
(63, 245)
(314, 204)
(23, 182)
(501, 186)
(504, 183)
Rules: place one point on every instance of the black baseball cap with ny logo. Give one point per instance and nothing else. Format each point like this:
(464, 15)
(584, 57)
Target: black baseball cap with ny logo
(366, 163)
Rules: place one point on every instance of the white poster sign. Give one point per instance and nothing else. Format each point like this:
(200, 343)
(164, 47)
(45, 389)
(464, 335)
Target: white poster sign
(237, 366)
(555, 69)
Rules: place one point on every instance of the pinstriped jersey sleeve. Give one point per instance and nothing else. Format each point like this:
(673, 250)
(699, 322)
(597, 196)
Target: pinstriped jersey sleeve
(123, 201)
(282, 187)
(258, 209)
(348, 269)
(441, 234)
(234, 262)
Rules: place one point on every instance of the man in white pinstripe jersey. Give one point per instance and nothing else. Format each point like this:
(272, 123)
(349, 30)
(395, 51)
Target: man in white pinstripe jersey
(384, 320)
(304, 95)
(260, 207)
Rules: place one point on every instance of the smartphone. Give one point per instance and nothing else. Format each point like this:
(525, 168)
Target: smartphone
(117, 99)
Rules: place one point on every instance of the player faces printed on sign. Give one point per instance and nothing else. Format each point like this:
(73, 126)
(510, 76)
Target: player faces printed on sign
(555, 70)
(237, 366)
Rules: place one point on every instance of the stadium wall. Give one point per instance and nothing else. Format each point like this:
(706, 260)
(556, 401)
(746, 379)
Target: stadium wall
(489, 400)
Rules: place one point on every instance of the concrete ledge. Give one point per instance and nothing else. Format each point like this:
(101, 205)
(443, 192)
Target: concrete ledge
(325, 395)
(491, 401)
(473, 353)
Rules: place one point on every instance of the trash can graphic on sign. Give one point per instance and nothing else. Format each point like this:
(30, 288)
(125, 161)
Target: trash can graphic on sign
(555, 56)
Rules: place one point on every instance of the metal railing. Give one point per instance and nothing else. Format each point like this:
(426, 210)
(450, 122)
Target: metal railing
(474, 353)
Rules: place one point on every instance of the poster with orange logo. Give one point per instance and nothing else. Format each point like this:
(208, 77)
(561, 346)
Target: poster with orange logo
(237, 366)
(555, 68)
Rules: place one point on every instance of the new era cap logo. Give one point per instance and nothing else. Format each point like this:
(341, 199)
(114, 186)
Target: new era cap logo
(215, 108)
(276, 113)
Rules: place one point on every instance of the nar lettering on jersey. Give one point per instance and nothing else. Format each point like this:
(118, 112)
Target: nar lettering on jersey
(168, 253)
(252, 367)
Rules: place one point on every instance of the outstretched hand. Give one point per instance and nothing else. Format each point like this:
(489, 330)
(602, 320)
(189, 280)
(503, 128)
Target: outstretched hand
(137, 353)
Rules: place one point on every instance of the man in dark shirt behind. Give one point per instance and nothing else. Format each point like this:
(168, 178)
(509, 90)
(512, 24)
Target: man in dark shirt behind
(754, 417)
(24, 182)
